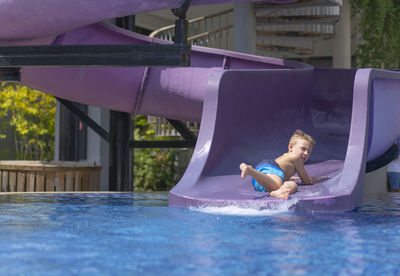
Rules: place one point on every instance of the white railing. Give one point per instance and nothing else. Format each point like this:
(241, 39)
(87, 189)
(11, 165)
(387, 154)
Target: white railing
(164, 128)
(214, 30)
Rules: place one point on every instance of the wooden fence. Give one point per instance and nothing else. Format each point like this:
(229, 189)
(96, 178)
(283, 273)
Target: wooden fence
(53, 176)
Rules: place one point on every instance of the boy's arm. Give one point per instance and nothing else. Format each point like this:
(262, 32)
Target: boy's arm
(313, 179)
(301, 171)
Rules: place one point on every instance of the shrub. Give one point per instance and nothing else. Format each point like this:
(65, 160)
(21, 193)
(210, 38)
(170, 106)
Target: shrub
(154, 169)
(32, 118)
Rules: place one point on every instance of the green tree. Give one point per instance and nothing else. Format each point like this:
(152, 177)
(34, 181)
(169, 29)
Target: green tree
(377, 25)
(154, 169)
(31, 115)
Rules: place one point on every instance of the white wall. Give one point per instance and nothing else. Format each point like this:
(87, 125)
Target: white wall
(342, 43)
(97, 148)
(375, 182)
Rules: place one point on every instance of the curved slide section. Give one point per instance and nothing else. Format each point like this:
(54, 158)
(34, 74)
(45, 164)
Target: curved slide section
(354, 121)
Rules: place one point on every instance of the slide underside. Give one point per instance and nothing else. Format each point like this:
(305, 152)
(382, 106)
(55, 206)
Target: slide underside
(248, 107)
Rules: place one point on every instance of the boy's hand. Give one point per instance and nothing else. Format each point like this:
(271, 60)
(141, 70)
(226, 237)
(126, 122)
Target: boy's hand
(318, 179)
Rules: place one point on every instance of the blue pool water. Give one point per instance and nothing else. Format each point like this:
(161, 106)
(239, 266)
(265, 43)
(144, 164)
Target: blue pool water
(137, 234)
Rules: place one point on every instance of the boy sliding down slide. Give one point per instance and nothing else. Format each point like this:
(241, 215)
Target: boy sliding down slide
(276, 176)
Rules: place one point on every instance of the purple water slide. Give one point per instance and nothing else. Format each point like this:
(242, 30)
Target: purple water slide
(249, 116)
(248, 105)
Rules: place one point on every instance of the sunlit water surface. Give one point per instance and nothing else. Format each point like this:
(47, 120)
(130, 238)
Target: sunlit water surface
(137, 234)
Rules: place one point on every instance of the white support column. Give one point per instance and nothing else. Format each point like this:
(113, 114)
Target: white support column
(375, 182)
(57, 133)
(342, 42)
(97, 148)
(245, 28)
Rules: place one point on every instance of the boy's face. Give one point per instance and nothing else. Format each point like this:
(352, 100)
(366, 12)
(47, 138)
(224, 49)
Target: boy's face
(302, 148)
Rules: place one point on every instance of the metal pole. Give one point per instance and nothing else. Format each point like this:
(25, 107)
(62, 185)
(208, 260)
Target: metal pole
(121, 132)
(121, 155)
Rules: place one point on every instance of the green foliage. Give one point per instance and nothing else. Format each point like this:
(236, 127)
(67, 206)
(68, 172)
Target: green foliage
(154, 169)
(377, 24)
(32, 117)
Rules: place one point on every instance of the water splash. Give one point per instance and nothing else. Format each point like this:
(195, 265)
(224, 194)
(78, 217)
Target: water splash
(249, 209)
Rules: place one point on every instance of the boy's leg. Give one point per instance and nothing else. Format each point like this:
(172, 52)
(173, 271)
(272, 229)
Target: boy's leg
(289, 187)
(269, 181)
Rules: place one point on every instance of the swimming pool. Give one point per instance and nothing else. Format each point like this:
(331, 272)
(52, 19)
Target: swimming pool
(126, 234)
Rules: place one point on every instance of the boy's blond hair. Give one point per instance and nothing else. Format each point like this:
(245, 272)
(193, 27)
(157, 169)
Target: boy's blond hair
(300, 135)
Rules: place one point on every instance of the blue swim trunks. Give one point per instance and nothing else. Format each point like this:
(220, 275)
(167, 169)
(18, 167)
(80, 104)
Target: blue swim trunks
(268, 168)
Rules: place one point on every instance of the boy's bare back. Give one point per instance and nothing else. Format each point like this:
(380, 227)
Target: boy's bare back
(287, 163)
(292, 163)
